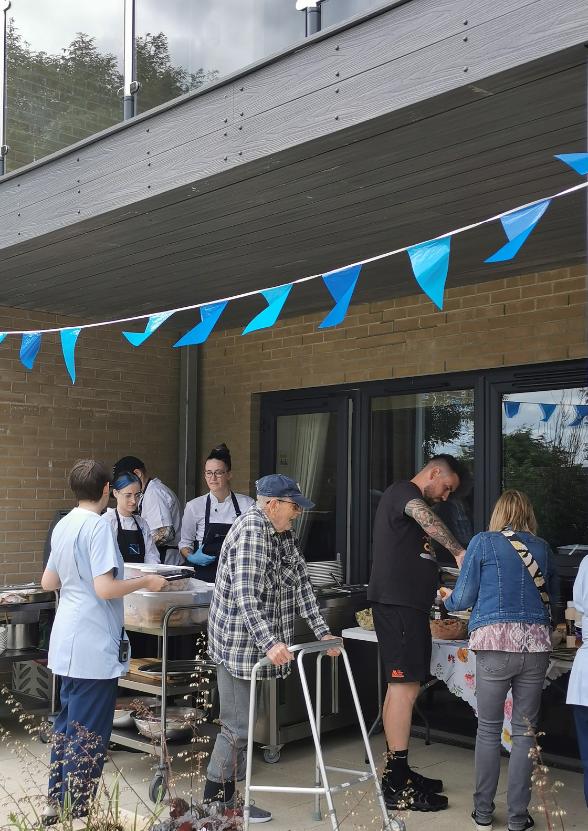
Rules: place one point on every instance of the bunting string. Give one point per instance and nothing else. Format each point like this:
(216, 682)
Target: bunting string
(299, 280)
(429, 261)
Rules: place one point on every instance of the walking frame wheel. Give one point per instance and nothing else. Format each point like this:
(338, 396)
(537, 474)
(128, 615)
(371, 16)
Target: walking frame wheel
(158, 787)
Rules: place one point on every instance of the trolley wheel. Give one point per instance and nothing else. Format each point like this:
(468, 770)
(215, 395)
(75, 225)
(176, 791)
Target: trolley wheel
(158, 787)
(271, 755)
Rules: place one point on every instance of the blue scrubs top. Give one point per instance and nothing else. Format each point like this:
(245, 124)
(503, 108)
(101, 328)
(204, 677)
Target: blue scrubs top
(87, 630)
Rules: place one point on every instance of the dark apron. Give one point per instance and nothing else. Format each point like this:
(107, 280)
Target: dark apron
(131, 544)
(163, 549)
(212, 541)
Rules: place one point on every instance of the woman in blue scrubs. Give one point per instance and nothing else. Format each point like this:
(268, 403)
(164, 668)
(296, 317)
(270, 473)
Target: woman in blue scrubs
(88, 648)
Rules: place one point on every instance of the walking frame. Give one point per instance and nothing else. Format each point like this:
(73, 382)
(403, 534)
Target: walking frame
(322, 786)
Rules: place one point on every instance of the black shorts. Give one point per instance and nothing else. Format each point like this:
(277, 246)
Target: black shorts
(404, 638)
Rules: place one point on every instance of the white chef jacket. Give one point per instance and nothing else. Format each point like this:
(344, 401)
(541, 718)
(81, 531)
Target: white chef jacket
(578, 683)
(128, 524)
(160, 508)
(193, 521)
(86, 631)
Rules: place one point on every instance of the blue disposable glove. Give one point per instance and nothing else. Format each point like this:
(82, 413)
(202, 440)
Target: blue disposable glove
(199, 558)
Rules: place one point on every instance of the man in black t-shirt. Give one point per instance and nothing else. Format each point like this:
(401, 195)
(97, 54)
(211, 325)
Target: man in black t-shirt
(402, 588)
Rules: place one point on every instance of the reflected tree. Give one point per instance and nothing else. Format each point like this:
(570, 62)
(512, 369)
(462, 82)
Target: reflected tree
(55, 100)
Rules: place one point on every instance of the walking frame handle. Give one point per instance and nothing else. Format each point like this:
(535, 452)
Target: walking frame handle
(311, 646)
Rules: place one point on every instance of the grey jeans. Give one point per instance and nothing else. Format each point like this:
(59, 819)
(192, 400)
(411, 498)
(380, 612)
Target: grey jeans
(496, 673)
(227, 761)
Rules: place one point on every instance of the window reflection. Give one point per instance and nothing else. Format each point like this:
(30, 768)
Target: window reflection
(545, 454)
(406, 430)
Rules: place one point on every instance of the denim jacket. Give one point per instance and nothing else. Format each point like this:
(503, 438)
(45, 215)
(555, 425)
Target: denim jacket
(496, 585)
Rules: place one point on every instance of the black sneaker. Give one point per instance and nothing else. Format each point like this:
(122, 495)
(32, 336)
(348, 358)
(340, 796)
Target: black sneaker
(410, 798)
(530, 823)
(424, 783)
(481, 826)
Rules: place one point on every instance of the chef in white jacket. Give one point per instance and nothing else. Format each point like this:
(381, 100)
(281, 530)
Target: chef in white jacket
(578, 683)
(208, 518)
(159, 507)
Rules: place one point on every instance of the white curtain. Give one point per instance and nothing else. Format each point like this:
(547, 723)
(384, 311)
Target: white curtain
(307, 459)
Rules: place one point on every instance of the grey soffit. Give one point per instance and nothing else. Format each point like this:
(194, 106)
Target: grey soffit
(407, 174)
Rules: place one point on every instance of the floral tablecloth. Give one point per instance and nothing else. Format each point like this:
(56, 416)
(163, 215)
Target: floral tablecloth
(454, 664)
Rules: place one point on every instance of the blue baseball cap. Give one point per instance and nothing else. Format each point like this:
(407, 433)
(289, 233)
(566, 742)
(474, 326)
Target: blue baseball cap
(282, 487)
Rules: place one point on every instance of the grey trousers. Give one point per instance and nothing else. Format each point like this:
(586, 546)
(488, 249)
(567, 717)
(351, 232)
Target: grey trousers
(496, 672)
(227, 761)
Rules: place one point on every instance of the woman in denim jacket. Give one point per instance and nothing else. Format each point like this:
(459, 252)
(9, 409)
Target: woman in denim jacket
(510, 631)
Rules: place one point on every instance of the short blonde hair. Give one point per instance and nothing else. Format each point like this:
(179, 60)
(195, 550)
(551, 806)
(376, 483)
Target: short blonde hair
(513, 508)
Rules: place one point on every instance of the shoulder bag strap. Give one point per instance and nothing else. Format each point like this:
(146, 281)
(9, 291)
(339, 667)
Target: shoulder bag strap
(532, 567)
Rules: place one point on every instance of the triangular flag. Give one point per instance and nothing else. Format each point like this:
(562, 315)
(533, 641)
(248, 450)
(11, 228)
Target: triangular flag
(511, 408)
(29, 348)
(68, 347)
(154, 322)
(430, 262)
(517, 227)
(2, 336)
(341, 285)
(581, 413)
(275, 300)
(547, 411)
(208, 317)
(577, 161)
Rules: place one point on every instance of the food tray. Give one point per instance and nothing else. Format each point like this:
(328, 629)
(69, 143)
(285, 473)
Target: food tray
(133, 570)
(147, 609)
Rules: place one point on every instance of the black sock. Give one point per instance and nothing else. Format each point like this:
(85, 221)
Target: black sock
(218, 792)
(396, 774)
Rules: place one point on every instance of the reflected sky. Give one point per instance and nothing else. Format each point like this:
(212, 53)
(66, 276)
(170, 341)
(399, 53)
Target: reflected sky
(224, 35)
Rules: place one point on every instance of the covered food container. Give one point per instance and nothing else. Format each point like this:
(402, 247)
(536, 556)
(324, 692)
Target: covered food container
(143, 608)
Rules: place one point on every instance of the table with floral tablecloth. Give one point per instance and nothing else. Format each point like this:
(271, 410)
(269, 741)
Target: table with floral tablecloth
(454, 664)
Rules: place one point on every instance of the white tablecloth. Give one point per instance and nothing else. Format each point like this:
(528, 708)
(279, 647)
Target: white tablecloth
(454, 664)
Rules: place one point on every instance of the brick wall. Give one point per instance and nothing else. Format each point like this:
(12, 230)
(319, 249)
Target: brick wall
(124, 401)
(524, 319)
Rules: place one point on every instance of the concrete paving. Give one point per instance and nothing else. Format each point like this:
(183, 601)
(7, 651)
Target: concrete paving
(23, 772)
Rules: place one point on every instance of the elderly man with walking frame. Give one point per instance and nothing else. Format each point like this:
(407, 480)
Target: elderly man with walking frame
(262, 583)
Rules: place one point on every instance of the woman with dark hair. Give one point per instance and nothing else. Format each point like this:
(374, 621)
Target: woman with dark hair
(509, 581)
(207, 518)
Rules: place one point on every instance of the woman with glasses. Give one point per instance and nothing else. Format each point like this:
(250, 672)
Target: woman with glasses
(208, 518)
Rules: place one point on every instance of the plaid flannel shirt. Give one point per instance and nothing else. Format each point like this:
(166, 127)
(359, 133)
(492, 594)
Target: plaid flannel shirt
(261, 583)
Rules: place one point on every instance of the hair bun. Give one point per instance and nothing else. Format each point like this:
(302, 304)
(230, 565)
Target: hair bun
(221, 448)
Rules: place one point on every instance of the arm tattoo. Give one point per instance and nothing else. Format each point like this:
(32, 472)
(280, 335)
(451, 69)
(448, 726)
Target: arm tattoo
(432, 525)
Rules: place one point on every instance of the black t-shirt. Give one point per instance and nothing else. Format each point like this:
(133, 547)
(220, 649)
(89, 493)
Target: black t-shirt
(400, 575)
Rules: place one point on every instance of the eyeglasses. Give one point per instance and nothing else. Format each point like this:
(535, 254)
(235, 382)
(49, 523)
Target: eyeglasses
(298, 509)
(136, 496)
(215, 474)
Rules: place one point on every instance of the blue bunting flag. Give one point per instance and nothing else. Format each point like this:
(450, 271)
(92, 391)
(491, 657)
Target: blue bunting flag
(2, 336)
(154, 322)
(341, 285)
(430, 262)
(208, 317)
(511, 408)
(577, 161)
(581, 414)
(517, 227)
(29, 348)
(547, 411)
(275, 300)
(68, 347)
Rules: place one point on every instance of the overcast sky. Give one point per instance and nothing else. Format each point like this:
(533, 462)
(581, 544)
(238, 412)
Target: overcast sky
(214, 34)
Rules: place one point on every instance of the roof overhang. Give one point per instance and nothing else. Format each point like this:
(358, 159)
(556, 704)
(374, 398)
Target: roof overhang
(384, 133)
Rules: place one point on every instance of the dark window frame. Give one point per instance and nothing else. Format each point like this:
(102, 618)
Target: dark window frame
(488, 385)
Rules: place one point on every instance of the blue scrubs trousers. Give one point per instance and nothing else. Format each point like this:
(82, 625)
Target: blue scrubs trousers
(81, 734)
(581, 718)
